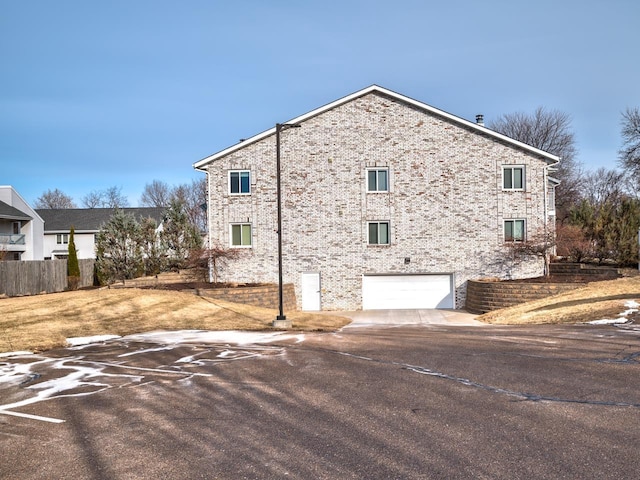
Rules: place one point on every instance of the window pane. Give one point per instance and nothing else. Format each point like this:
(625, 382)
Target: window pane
(517, 178)
(508, 178)
(246, 234)
(371, 182)
(518, 230)
(508, 230)
(236, 235)
(383, 233)
(382, 181)
(244, 187)
(373, 233)
(235, 182)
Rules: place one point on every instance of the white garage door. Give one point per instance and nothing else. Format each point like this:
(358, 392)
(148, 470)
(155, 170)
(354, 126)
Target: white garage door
(382, 292)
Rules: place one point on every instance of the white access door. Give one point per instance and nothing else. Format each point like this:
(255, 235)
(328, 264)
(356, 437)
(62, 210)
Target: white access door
(311, 291)
(391, 292)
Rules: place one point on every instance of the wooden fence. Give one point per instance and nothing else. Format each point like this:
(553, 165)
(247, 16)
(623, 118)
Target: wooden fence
(40, 276)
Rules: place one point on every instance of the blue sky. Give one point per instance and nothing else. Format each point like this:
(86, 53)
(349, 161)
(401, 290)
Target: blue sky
(120, 93)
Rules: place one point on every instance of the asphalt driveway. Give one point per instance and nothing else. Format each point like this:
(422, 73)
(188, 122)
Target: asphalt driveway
(423, 402)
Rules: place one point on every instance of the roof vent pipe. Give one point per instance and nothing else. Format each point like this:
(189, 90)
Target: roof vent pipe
(480, 119)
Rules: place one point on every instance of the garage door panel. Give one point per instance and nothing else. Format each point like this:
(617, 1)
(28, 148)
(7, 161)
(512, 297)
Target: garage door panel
(381, 292)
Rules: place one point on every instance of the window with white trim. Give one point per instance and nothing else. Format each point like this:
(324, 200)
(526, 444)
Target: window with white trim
(378, 180)
(241, 235)
(513, 177)
(378, 233)
(62, 238)
(514, 230)
(239, 182)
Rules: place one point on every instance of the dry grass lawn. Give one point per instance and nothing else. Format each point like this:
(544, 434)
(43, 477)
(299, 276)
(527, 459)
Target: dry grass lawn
(595, 301)
(43, 322)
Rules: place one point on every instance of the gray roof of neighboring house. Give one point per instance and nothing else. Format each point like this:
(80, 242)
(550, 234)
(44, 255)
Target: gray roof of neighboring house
(12, 213)
(90, 219)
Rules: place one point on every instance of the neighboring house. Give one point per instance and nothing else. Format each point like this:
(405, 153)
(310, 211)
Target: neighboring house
(86, 223)
(21, 228)
(387, 202)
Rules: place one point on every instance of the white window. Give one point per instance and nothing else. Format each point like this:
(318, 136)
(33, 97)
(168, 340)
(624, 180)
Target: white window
(551, 200)
(514, 231)
(378, 180)
(378, 233)
(239, 182)
(62, 238)
(241, 235)
(513, 177)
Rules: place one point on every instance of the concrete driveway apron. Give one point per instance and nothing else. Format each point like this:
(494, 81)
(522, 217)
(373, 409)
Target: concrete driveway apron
(378, 318)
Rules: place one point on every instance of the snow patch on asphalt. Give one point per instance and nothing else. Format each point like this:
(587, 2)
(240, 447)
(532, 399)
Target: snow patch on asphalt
(206, 336)
(24, 370)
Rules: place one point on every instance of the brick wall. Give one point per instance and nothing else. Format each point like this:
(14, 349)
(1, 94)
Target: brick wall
(445, 206)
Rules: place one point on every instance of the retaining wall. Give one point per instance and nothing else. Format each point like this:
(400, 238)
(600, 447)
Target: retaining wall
(485, 296)
(263, 296)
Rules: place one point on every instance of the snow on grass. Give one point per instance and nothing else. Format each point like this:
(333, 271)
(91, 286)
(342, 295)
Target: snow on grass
(608, 321)
(19, 353)
(77, 341)
(632, 307)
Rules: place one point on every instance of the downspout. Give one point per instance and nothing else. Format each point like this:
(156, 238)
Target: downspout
(545, 201)
(210, 262)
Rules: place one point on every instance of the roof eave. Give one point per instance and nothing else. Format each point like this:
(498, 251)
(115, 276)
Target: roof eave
(549, 158)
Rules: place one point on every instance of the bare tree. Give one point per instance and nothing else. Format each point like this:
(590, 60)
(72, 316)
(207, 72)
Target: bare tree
(54, 199)
(205, 263)
(156, 194)
(630, 153)
(541, 244)
(193, 197)
(603, 185)
(111, 197)
(572, 243)
(551, 131)
(93, 199)
(114, 198)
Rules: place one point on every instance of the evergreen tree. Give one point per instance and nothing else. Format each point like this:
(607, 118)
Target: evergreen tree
(179, 236)
(118, 249)
(73, 268)
(152, 252)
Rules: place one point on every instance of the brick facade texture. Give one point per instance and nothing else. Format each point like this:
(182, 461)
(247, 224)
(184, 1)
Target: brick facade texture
(445, 205)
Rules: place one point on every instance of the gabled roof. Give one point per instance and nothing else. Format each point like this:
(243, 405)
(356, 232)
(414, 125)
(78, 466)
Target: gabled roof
(90, 219)
(551, 159)
(8, 212)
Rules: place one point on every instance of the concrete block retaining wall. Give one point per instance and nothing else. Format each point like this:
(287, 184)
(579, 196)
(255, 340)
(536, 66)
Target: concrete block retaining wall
(485, 296)
(265, 296)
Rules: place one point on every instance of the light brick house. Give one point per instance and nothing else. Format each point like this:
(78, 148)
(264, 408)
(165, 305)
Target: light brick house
(387, 202)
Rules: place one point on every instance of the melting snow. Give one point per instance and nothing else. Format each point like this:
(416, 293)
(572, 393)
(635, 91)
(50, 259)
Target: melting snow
(75, 341)
(632, 307)
(205, 336)
(86, 377)
(608, 321)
